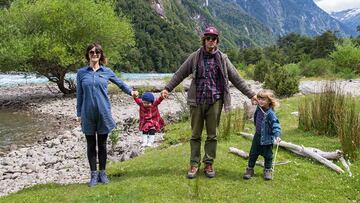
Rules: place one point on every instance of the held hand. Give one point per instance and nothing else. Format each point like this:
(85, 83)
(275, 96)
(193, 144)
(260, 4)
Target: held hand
(78, 120)
(278, 140)
(134, 94)
(164, 93)
(254, 100)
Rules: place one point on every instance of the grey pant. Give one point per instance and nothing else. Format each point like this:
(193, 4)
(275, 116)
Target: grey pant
(210, 114)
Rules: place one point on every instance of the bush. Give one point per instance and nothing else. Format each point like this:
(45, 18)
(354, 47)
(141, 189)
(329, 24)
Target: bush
(249, 71)
(284, 82)
(293, 69)
(317, 67)
(261, 69)
(347, 55)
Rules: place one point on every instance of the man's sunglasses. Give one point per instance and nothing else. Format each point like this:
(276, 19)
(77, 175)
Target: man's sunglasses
(208, 38)
(93, 52)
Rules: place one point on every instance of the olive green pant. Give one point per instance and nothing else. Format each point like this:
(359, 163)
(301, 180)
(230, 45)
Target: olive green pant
(210, 114)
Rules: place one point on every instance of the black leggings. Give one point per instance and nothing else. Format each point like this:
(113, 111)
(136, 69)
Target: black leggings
(91, 150)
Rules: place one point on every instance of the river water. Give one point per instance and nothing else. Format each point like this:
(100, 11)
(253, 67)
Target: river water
(20, 128)
(9, 80)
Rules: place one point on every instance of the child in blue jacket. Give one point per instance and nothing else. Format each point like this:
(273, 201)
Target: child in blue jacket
(268, 130)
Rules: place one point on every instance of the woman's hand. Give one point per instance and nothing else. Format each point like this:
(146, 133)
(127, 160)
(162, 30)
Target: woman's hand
(134, 94)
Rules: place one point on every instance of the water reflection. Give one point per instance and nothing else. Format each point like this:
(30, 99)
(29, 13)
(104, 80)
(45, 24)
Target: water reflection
(22, 128)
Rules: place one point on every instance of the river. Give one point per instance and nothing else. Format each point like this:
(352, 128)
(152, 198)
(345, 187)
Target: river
(9, 80)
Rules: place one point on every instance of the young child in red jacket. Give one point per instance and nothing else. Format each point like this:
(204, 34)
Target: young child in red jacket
(150, 119)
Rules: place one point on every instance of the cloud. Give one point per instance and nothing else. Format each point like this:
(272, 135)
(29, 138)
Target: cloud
(337, 5)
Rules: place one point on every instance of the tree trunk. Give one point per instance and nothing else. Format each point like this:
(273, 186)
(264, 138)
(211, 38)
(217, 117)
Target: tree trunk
(70, 89)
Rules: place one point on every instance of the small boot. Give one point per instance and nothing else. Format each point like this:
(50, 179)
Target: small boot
(248, 173)
(151, 140)
(267, 174)
(102, 177)
(93, 179)
(144, 140)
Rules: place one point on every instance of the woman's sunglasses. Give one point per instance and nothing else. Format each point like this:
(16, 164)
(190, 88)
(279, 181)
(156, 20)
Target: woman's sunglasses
(93, 52)
(208, 38)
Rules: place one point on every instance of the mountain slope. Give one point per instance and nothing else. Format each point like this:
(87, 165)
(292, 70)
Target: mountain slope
(349, 17)
(238, 29)
(285, 16)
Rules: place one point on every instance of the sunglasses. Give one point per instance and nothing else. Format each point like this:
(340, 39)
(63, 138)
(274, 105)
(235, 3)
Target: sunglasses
(93, 52)
(208, 38)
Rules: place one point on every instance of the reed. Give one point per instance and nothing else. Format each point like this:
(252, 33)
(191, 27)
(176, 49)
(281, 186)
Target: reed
(232, 122)
(332, 113)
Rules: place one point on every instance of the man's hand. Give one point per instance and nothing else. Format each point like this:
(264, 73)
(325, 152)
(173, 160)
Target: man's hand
(254, 100)
(134, 94)
(164, 93)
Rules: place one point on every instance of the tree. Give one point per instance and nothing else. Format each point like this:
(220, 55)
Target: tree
(262, 68)
(49, 37)
(252, 55)
(347, 56)
(324, 44)
(283, 81)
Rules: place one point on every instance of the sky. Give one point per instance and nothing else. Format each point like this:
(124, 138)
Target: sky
(337, 5)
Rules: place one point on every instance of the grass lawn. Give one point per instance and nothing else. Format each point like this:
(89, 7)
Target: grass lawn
(160, 175)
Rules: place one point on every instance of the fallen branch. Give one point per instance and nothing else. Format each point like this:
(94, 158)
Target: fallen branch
(245, 155)
(347, 167)
(317, 154)
(239, 152)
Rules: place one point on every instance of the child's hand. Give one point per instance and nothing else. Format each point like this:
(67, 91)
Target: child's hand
(164, 93)
(134, 94)
(278, 140)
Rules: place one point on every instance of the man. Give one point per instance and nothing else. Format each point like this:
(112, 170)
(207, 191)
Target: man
(209, 91)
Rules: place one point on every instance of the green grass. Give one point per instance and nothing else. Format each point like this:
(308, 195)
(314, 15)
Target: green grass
(159, 175)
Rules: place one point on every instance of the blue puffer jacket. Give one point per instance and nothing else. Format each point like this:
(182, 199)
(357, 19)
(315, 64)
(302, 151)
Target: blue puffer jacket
(270, 127)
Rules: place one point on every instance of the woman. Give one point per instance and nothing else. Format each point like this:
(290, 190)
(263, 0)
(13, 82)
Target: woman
(94, 108)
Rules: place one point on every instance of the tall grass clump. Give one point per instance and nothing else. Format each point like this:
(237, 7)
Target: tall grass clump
(349, 129)
(332, 113)
(231, 122)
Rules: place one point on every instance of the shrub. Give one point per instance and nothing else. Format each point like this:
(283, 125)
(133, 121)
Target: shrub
(293, 69)
(249, 71)
(282, 81)
(261, 69)
(347, 55)
(114, 138)
(317, 67)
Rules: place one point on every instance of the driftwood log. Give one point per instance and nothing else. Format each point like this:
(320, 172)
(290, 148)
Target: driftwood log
(316, 154)
(245, 155)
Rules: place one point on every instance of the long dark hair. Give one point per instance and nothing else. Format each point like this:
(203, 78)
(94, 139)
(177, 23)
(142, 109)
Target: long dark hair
(103, 59)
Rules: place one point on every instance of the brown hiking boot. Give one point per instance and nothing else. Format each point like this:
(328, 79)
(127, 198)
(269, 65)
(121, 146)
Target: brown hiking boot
(192, 172)
(209, 171)
(267, 174)
(248, 173)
